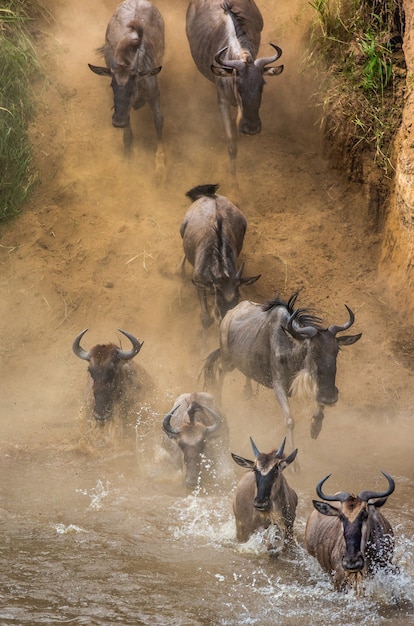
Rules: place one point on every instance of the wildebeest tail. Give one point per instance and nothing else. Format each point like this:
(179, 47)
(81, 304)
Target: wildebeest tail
(202, 190)
(210, 370)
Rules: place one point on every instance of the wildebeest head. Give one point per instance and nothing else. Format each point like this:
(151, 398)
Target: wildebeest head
(248, 81)
(191, 437)
(322, 347)
(268, 468)
(105, 364)
(225, 287)
(126, 69)
(356, 514)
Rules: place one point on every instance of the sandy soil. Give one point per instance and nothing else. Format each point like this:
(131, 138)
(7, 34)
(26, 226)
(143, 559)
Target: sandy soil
(98, 245)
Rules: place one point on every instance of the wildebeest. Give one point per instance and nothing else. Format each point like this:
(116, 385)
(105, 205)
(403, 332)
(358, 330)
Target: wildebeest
(133, 51)
(213, 231)
(283, 348)
(198, 433)
(351, 539)
(117, 389)
(263, 495)
(224, 38)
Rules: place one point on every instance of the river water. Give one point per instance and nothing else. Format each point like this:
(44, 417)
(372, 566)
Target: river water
(104, 542)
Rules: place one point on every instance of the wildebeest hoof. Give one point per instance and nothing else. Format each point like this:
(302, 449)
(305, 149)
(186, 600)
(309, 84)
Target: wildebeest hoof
(316, 427)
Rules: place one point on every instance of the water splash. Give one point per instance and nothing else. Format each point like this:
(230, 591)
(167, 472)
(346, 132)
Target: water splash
(97, 494)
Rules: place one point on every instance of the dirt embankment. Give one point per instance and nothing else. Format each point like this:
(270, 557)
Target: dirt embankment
(98, 245)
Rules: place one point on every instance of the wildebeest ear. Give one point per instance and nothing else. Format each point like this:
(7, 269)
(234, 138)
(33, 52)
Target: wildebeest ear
(325, 508)
(250, 280)
(101, 71)
(289, 459)
(348, 340)
(273, 71)
(224, 72)
(152, 72)
(242, 462)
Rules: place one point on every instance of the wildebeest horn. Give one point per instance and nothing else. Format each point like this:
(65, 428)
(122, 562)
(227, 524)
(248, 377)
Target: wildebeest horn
(231, 63)
(263, 61)
(340, 497)
(368, 495)
(125, 355)
(348, 324)
(78, 350)
(194, 406)
(240, 271)
(166, 423)
(298, 332)
(256, 451)
(279, 453)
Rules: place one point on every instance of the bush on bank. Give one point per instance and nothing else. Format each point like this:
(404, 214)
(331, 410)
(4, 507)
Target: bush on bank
(359, 43)
(17, 63)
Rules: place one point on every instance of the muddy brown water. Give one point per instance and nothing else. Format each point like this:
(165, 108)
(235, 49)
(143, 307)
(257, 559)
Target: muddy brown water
(105, 537)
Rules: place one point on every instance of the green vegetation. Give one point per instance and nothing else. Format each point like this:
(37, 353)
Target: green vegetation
(17, 64)
(360, 44)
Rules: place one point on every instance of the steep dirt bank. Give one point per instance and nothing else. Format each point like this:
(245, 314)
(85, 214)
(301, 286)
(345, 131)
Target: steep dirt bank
(397, 260)
(99, 243)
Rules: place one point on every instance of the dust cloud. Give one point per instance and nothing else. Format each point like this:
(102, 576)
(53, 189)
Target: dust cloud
(98, 246)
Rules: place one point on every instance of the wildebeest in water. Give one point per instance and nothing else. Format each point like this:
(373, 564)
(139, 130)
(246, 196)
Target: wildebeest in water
(285, 349)
(224, 38)
(351, 538)
(197, 438)
(263, 497)
(117, 394)
(133, 51)
(213, 232)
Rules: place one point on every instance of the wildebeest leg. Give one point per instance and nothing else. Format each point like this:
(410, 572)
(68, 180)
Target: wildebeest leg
(206, 319)
(159, 125)
(316, 423)
(247, 389)
(181, 266)
(281, 397)
(231, 134)
(127, 139)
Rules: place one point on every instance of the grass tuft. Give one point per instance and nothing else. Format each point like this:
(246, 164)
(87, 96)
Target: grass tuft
(18, 63)
(359, 44)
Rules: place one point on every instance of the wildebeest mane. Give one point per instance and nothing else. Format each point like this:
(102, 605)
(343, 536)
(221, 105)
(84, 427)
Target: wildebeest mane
(202, 190)
(222, 248)
(304, 317)
(237, 18)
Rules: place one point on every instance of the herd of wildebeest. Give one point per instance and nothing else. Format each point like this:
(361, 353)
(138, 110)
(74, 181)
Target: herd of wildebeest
(276, 344)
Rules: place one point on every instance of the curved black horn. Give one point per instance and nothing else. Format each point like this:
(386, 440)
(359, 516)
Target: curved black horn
(263, 61)
(256, 451)
(194, 406)
(281, 450)
(125, 355)
(78, 350)
(348, 324)
(215, 416)
(232, 63)
(298, 332)
(166, 423)
(368, 495)
(338, 497)
(240, 271)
